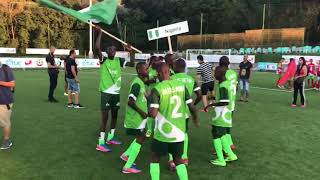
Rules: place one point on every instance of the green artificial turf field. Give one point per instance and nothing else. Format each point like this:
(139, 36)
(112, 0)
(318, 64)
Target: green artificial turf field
(274, 141)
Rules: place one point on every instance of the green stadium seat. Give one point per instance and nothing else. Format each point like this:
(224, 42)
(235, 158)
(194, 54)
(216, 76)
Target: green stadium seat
(285, 50)
(316, 49)
(294, 49)
(259, 50)
(279, 50)
(241, 50)
(270, 50)
(248, 51)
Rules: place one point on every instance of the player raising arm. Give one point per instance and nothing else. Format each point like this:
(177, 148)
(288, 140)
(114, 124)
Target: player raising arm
(110, 85)
(169, 100)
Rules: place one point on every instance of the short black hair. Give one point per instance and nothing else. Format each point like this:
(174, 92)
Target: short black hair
(161, 65)
(139, 65)
(224, 61)
(180, 65)
(72, 51)
(200, 57)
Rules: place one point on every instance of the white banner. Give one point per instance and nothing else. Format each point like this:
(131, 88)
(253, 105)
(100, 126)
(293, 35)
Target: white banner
(25, 63)
(46, 51)
(315, 59)
(234, 59)
(169, 30)
(8, 50)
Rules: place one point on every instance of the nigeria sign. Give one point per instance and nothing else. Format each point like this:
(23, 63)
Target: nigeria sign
(167, 31)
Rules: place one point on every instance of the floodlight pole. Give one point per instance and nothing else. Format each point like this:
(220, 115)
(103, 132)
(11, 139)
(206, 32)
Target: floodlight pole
(157, 43)
(264, 15)
(201, 27)
(90, 35)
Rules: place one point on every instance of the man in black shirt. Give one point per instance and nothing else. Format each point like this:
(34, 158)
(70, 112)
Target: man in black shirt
(73, 81)
(245, 77)
(53, 71)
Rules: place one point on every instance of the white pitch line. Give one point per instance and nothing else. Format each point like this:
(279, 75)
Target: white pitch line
(279, 90)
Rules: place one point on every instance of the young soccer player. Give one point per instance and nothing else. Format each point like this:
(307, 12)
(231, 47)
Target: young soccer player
(110, 85)
(222, 121)
(136, 118)
(169, 99)
(312, 74)
(179, 67)
(169, 59)
(152, 81)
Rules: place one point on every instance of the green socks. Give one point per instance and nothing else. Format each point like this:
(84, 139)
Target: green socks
(110, 135)
(226, 146)
(229, 139)
(182, 172)
(155, 171)
(134, 151)
(101, 141)
(218, 146)
(127, 152)
(185, 146)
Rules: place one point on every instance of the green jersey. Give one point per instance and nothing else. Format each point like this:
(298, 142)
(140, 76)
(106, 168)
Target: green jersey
(232, 76)
(227, 93)
(152, 74)
(189, 82)
(170, 97)
(133, 120)
(110, 75)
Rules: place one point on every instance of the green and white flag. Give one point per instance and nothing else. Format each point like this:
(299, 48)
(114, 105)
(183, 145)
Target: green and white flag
(104, 11)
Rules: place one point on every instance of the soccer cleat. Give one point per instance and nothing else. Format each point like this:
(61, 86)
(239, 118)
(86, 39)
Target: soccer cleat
(70, 105)
(113, 141)
(233, 147)
(148, 133)
(218, 163)
(231, 158)
(293, 105)
(65, 94)
(6, 144)
(172, 166)
(132, 170)
(78, 106)
(103, 148)
(186, 162)
(124, 157)
(303, 106)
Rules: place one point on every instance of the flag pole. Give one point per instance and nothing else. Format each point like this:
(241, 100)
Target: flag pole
(115, 38)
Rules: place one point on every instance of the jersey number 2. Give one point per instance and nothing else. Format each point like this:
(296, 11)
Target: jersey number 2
(176, 100)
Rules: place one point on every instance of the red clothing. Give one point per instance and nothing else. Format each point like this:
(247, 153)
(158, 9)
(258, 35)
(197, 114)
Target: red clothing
(318, 71)
(312, 68)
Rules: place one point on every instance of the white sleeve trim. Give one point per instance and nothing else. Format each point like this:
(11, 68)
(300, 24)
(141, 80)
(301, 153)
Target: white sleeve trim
(124, 64)
(104, 54)
(224, 100)
(196, 89)
(189, 101)
(154, 106)
(133, 96)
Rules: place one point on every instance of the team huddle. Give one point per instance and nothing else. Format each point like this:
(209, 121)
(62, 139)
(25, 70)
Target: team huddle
(159, 106)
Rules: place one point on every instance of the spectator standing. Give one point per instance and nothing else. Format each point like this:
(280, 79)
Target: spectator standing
(7, 84)
(245, 73)
(53, 71)
(73, 81)
(205, 74)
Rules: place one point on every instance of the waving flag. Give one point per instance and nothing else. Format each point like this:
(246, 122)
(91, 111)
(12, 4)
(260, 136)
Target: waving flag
(104, 11)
